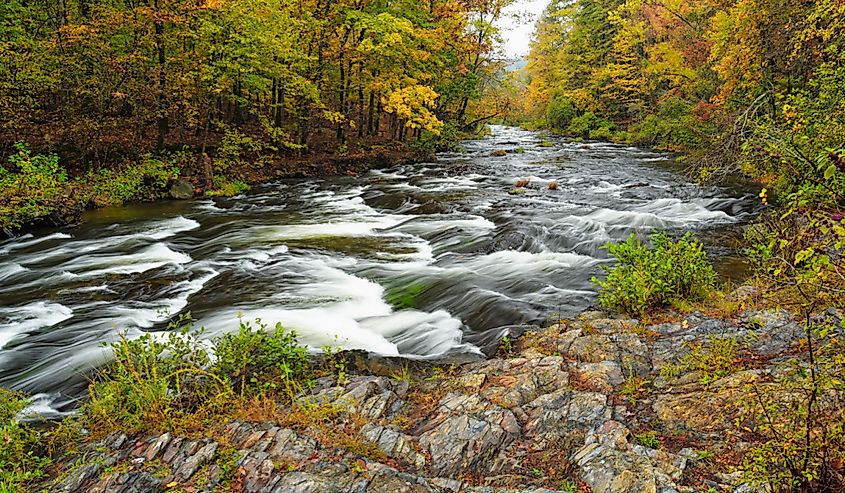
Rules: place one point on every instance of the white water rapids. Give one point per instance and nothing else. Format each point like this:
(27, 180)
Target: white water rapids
(425, 260)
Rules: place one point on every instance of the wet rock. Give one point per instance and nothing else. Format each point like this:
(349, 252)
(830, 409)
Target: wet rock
(172, 449)
(132, 482)
(289, 446)
(623, 347)
(324, 477)
(520, 380)
(76, 479)
(774, 332)
(603, 377)
(157, 446)
(499, 153)
(472, 382)
(258, 472)
(388, 480)
(704, 410)
(564, 412)
(611, 464)
(372, 397)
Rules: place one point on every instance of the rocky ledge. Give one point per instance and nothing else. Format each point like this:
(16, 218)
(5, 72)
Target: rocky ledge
(579, 406)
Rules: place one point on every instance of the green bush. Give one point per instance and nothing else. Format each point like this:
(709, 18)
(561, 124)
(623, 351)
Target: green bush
(560, 112)
(144, 180)
(649, 277)
(259, 361)
(448, 140)
(227, 188)
(590, 126)
(20, 459)
(177, 381)
(155, 382)
(672, 126)
(31, 187)
(237, 148)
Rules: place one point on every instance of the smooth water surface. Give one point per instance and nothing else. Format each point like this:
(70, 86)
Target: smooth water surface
(425, 260)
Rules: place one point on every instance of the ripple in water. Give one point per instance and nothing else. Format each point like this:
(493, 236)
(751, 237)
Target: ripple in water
(422, 260)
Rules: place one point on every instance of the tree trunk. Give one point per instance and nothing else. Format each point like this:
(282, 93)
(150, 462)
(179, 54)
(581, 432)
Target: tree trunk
(360, 100)
(161, 117)
(340, 134)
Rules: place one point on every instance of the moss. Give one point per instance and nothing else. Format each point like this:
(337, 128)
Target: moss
(406, 296)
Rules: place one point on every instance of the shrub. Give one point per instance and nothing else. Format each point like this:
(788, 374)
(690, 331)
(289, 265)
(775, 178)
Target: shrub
(560, 112)
(590, 126)
(448, 140)
(797, 419)
(227, 188)
(156, 382)
(144, 180)
(168, 382)
(237, 148)
(798, 252)
(672, 126)
(258, 361)
(31, 187)
(20, 459)
(648, 277)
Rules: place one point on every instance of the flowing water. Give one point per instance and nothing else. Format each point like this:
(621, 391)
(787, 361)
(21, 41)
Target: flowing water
(424, 260)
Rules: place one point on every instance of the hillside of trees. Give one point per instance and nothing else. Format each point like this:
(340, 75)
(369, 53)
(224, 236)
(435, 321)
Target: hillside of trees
(123, 96)
(754, 86)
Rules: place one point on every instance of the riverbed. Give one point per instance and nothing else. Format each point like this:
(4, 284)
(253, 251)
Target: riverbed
(426, 261)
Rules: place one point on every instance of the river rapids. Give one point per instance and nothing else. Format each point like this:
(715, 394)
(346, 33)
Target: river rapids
(426, 260)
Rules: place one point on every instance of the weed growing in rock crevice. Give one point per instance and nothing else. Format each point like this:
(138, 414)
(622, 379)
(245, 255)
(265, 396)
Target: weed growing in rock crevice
(716, 358)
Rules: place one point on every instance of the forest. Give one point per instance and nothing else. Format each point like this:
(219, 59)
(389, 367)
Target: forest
(753, 87)
(704, 346)
(105, 101)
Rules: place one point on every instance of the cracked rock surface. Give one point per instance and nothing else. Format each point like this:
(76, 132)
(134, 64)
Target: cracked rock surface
(550, 414)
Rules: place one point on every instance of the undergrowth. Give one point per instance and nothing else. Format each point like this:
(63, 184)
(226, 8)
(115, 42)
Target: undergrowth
(179, 382)
(646, 277)
(22, 455)
(716, 358)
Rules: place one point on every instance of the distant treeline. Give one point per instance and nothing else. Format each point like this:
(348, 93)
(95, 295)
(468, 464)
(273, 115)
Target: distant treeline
(751, 85)
(97, 80)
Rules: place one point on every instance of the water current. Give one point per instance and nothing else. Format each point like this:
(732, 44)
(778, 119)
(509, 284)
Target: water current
(427, 260)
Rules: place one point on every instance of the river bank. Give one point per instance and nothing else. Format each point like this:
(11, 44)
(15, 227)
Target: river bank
(56, 200)
(598, 403)
(424, 260)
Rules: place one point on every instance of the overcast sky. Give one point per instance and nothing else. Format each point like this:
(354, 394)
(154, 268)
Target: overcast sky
(516, 33)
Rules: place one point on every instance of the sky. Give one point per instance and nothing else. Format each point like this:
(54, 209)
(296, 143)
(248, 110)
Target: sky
(516, 33)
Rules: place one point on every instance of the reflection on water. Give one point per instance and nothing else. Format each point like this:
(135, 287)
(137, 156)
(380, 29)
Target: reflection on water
(423, 261)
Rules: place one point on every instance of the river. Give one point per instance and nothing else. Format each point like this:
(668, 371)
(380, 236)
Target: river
(424, 260)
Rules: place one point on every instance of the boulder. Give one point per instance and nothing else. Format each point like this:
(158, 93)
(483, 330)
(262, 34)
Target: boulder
(181, 190)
